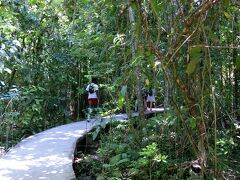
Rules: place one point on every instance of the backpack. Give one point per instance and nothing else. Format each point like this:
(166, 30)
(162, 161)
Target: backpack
(91, 89)
(150, 92)
(144, 92)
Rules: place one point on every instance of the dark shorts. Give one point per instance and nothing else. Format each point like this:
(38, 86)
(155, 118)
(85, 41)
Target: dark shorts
(93, 101)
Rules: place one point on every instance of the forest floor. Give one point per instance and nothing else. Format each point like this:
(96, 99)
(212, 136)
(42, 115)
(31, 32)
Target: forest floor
(94, 155)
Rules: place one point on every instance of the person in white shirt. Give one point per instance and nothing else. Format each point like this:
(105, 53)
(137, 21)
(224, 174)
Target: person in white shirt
(151, 98)
(93, 95)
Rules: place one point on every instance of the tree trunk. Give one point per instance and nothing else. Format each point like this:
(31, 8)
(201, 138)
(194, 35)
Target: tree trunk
(236, 75)
(166, 90)
(137, 69)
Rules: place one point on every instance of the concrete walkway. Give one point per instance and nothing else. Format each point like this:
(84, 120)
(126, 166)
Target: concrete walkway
(49, 154)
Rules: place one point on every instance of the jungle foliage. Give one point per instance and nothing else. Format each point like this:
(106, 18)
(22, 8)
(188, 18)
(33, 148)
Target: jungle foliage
(187, 50)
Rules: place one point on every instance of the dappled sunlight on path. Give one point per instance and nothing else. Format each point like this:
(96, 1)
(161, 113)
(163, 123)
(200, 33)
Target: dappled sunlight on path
(47, 155)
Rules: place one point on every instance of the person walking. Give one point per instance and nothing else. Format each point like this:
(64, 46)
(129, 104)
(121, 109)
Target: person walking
(93, 96)
(151, 98)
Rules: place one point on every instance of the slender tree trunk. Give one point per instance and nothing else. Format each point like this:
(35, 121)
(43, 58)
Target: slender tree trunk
(166, 90)
(236, 72)
(137, 69)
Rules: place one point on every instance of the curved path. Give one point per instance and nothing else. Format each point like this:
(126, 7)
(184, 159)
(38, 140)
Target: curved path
(49, 154)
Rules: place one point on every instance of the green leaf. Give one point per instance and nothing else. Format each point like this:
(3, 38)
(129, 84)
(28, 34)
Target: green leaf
(32, 2)
(226, 3)
(151, 57)
(195, 54)
(114, 160)
(138, 29)
(123, 161)
(228, 16)
(107, 165)
(193, 123)
(192, 66)
(85, 1)
(160, 158)
(155, 7)
(95, 133)
(117, 174)
(135, 60)
(149, 151)
(121, 101)
(213, 37)
(133, 6)
(100, 177)
(237, 63)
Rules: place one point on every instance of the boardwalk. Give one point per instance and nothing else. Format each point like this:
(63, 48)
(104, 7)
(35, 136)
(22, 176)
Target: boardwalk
(49, 154)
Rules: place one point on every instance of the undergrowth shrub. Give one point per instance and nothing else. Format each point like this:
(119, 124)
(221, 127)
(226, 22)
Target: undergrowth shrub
(160, 150)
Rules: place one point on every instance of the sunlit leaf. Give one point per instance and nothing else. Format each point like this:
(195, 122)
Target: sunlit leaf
(115, 159)
(3, 46)
(121, 101)
(32, 2)
(2, 53)
(84, 1)
(1, 66)
(17, 43)
(9, 71)
(118, 40)
(2, 83)
(44, 24)
(160, 158)
(147, 82)
(228, 15)
(13, 49)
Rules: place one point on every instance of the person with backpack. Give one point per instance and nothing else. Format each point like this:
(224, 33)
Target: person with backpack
(93, 96)
(151, 98)
(144, 94)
